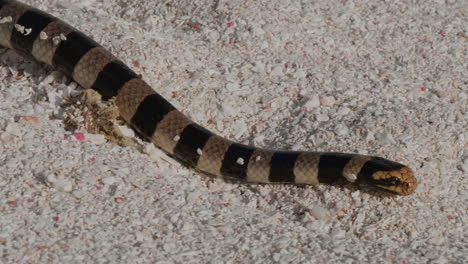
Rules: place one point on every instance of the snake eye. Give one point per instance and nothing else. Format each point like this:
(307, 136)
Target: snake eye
(394, 181)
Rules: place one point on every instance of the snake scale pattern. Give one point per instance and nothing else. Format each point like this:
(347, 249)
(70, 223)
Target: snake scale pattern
(32, 32)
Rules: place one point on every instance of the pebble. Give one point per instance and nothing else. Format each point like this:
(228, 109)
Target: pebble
(338, 233)
(240, 127)
(370, 136)
(231, 87)
(342, 111)
(259, 67)
(169, 247)
(258, 30)
(264, 45)
(109, 180)
(300, 74)
(350, 177)
(213, 35)
(96, 138)
(313, 102)
(79, 193)
(327, 101)
(12, 129)
(277, 71)
(63, 185)
(318, 212)
(341, 130)
(385, 138)
(228, 110)
(464, 165)
(322, 117)
(437, 240)
(126, 131)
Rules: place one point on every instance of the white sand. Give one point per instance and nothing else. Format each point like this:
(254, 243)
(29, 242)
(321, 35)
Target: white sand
(385, 78)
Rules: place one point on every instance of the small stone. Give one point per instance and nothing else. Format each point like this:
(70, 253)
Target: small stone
(232, 87)
(7, 19)
(351, 177)
(33, 120)
(300, 74)
(342, 130)
(213, 35)
(327, 100)
(169, 247)
(43, 35)
(438, 240)
(56, 40)
(96, 138)
(277, 71)
(259, 67)
(257, 30)
(322, 117)
(240, 127)
(228, 110)
(126, 131)
(318, 212)
(19, 28)
(109, 180)
(464, 166)
(79, 136)
(12, 129)
(63, 185)
(312, 103)
(342, 111)
(338, 233)
(385, 138)
(370, 136)
(78, 193)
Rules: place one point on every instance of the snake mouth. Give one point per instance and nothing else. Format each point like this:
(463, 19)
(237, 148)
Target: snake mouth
(400, 181)
(405, 188)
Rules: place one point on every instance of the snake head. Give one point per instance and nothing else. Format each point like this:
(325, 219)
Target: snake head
(389, 175)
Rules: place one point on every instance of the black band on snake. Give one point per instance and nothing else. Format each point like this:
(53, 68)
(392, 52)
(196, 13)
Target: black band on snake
(35, 33)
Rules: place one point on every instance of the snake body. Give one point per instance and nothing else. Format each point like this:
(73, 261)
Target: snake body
(32, 32)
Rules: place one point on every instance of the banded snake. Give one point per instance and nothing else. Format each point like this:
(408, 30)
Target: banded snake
(48, 39)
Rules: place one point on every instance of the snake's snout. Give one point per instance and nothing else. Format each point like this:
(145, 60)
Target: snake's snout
(400, 181)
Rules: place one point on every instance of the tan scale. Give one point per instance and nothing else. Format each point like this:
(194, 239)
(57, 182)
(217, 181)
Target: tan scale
(354, 166)
(130, 97)
(14, 11)
(90, 65)
(258, 169)
(211, 159)
(169, 129)
(306, 168)
(44, 49)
